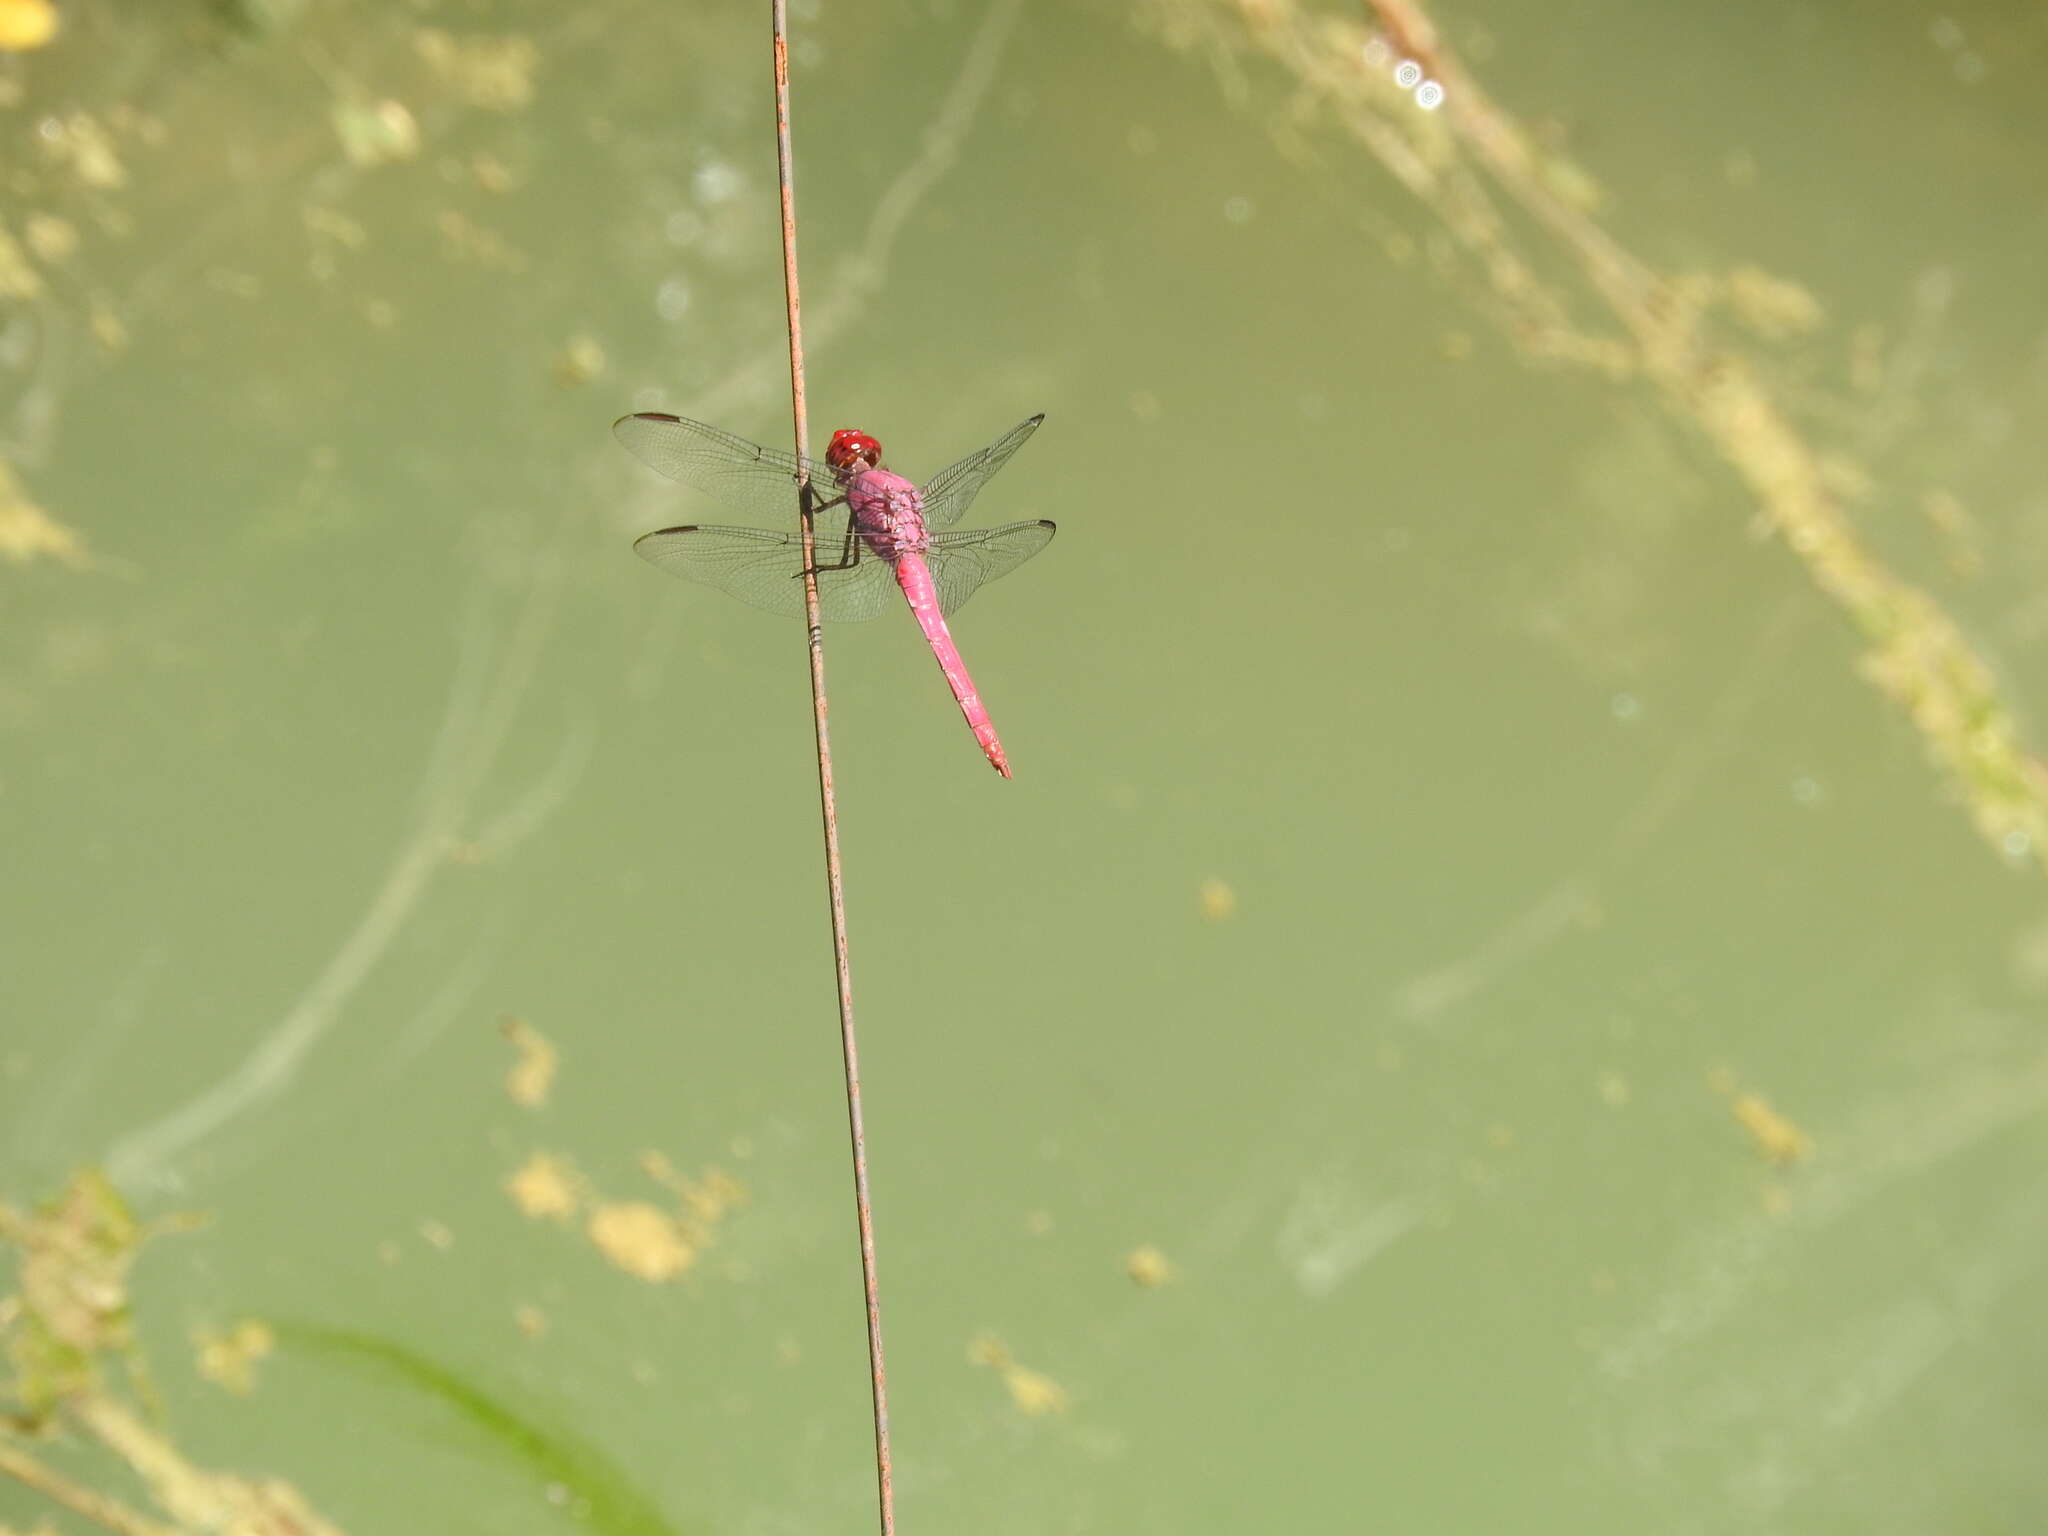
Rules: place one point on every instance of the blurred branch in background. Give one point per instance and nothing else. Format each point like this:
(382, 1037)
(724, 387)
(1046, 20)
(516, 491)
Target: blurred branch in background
(483, 704)
(69, 1337)
(62, 1330)
(1668, 331)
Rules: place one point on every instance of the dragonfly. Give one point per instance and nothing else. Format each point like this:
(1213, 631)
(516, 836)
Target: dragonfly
(873, 530)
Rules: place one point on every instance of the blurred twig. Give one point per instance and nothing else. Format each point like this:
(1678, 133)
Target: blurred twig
(1455, 160)
(80, 1500)
(71, 1321)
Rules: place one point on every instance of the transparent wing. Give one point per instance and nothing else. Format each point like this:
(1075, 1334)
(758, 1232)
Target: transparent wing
(961, 563)
(766, 569)
(949, 493)
(743, 475)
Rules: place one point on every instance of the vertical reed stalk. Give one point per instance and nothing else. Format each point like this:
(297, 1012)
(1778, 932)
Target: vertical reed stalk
(828, 805)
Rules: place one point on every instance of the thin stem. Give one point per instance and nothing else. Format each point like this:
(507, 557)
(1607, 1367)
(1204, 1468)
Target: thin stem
(76, 1497)
(835, 887)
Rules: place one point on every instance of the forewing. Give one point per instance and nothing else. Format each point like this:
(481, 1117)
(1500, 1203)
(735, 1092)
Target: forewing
(949, 493)
(962, 563)
(766, 569)
(743, 475)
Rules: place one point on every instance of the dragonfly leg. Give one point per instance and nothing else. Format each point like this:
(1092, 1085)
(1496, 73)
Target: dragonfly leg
(849, 556)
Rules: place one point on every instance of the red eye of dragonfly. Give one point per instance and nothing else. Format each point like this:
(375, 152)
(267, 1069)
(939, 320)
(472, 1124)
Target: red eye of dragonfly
(849, 445)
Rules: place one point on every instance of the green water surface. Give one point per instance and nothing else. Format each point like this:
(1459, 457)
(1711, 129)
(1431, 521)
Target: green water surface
(1455, 843)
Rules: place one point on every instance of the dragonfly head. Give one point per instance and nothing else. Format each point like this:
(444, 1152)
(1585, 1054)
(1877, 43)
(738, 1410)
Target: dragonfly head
(852, 450)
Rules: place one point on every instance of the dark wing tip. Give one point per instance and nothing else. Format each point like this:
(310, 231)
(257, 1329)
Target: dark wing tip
(643, 416)
(659, 532)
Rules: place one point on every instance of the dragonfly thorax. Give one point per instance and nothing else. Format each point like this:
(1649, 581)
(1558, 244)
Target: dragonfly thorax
(888, 512)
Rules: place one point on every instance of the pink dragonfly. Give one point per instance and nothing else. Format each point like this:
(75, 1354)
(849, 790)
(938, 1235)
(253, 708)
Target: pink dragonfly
(876, 529)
